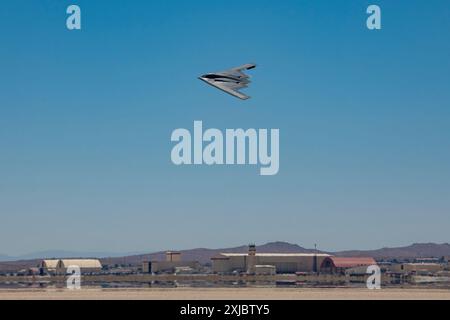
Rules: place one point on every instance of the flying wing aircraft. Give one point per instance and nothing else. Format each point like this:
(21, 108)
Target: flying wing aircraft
(231, 80)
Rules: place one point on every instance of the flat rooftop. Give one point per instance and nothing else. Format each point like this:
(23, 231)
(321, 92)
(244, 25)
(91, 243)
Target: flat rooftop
(277, 254)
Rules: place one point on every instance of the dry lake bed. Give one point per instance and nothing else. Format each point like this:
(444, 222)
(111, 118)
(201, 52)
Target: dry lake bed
(226, 294)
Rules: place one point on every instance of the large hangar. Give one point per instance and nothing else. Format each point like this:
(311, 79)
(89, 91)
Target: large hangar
(283, 262)
(86, 266)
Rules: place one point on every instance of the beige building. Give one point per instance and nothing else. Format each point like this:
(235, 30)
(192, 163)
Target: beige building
(48, 266)
(265, 270)
(282, 262)
(146, 267)
(170, 267)
(86, 265)
(172, 263)
(173, 256)
(416, 268)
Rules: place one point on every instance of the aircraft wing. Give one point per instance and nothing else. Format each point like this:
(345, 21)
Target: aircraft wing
(231, 88)
(247, 66)
(238, 71)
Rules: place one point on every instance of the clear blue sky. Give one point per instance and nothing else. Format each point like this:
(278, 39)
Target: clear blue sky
(86, 118)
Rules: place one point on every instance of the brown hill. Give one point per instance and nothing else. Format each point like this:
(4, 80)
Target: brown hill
(14, 266)
(417, 250)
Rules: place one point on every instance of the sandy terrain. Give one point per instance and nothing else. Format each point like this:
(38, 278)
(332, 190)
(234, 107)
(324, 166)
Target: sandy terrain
(226, 294)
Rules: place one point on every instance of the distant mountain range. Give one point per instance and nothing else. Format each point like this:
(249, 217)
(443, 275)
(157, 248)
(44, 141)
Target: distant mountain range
(425, 250)
(203, 255)
(417, 250)
(60, 254)
(5, 257)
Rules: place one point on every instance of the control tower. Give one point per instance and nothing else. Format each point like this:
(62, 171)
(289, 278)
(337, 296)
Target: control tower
(251, 259)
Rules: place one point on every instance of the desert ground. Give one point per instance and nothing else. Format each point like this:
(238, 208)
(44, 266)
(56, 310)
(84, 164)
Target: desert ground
(225, 294)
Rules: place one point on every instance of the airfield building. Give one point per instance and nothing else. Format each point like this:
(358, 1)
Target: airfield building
(48, 266)
(265, 270)
(226, 263)
(173, 256)
(87, 266)
(172, 264)
(417, 268)
(341, 265)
